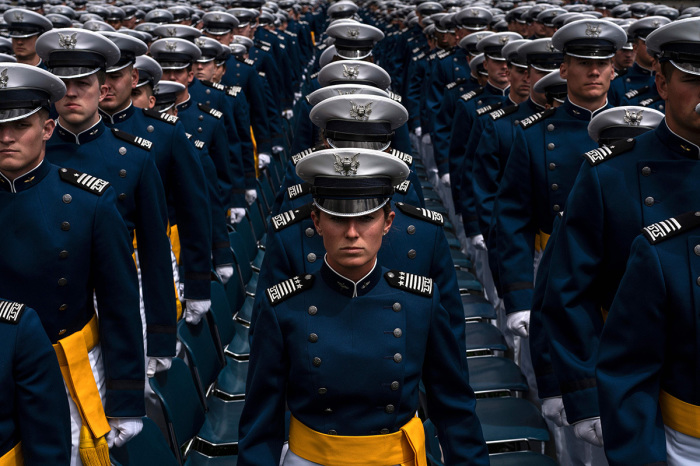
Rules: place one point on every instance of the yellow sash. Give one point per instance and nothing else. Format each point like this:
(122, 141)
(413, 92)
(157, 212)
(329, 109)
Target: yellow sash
(13, 457)
(679, 415)
(72, 354)
(405, 447)
(255, 152)
(541, 239)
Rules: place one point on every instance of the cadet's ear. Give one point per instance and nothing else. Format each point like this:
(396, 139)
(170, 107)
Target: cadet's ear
(48, 128)
(152, 101)
(662, 83)
(317, 223)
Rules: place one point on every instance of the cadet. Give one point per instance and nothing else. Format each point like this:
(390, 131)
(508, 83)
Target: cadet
(25, 27)
(34, 414)
(82, 142)
(618, 191)
(69, 245)
(351, 280)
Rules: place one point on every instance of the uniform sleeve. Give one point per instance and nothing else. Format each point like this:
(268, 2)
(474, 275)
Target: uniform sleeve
(224, 151)
(436, 90)
(416, 74)
(40, 401)
(255, 92)
(221, 247)
(461, 149)
(449, 110)
(485, 172)
(631, 357)
(247, 153)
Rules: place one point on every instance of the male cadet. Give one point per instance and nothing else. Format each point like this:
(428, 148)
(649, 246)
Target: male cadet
(624, 58)
(149, 72)
(66, 225)
(82, 142)
(182, 178)
(619, 190)
(637, 86)
(24, 28)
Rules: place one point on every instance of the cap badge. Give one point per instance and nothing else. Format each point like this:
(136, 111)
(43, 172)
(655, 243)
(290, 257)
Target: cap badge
(550, 46)
(354, 33)
(3, 78)
(593, 30)
(19, 16)
(157, 13)
(655, 23)
(474, 12)
(170, 46)
(93, 27)
(200, 42)
(633, 118)
(360, 112)
(504, 40)
(171, 32)
(67, 42)
(217, 17)
(345, 165)
(351, 72)
(156, 89)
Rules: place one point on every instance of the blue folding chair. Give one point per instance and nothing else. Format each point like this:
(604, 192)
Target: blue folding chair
(484, 339)
(521, 458)
(489, 375)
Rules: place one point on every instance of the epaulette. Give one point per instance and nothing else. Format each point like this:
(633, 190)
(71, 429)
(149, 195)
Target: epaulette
(415, 50)
(501, 112)
(218, 86)
(489, 108)
(83, 180)
(301, 155)
(635, 92)
(197, 143)
(649, 101)
(403, 187)
(322, 46)
(290, 217)
(138, 141)
(536, 118)
(298, 190)
(288, 288)
(282, 46)
(471, 94)
(233, 91)
(421, 213)
(404, 157)
(11, 312)
(264, 48)
(211, 111)
(665, 229)
(394, 97)
(172, 119)
(445, 53)
(621, 73)
(248, 61)
(600, 155)
(314, 75)
(261, 74)
(289, 33)
(455, 83)
(432, 56)
(263, 42)
(410, 282)
(420, 56)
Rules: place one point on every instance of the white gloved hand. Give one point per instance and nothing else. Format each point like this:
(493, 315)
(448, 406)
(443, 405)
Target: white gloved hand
(590, 430)
(195, 310)
(250, 196)
(288, 113)
(237, 213)
(123, 430)
(478, 242)
(225, 272)
(297, 95)
(519, 323)
(158, 365)
(553, 410)
(263, 160)
(445, 179)
(277, 149)
(418, 132)
(426, 139)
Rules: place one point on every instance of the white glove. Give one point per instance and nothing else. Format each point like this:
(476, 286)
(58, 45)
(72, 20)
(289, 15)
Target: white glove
(518, 323)
(195, 310)
(553, 410)
(123, 430)
(158, 365)
(426, 139)
(250, 196)
(277, 149)
(418, 131)
(263, 160)
(590, 430)
(288, 113)
(445, 179)
(225, 272)
(297, 95)
(478, 242)
(238, 213)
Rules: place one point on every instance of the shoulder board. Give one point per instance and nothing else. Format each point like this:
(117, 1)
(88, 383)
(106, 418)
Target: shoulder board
(412, 283)
(233, 91)
(471, 94)
(198, 144)
(264, 48)
(404, 157)
(218, 86)
(445, 53)
(489, 108)
(432, 56)
(635, 92)
(211, 111)
(248, 61)
(288, 288)
(11, 312)
(621, 73)
(536, 118)
(160, 116)
(282, 46)
(131, 139)
(421, 213)
(501, 112)
(264, 42)
(394, 97)
(298, 190)
(314, 75)
(290, 217)
(415, 50)
(289, 33)
(647, 102)
(600, 155)
(665, 229)
(420, 56)
(83, 180)
(261, 74)
(403, 187)
(455, 83)
(322, 46)
(301, 155)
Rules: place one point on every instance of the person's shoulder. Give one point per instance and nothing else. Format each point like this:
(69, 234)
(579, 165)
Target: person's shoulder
(405, 281)
(678, 225)
(420, 213)
(603, 154)
(291, 217)
(289, 288)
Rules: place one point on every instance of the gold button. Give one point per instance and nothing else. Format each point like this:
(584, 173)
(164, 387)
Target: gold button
(316, 362)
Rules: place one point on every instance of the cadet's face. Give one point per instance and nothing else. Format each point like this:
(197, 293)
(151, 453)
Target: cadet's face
(78, 109)
(681, 93)
(24, 47)
(218, 73)
(352, 243)
(519, 81)
(142, 98)
(119, 85)
(205, 71)
(588, 80)
(641, 55)
(183, 76)
(497, 70)
(22, 144)
(624, 58)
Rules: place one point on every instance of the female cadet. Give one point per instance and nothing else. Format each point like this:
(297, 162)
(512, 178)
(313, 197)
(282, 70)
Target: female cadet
(347, 346)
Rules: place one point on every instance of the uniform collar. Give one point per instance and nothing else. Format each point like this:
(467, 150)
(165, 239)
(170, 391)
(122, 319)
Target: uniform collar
(641, 70)
(534, 105)
(676, 143)
(120, 116)
(182, 106)
(90, 134)
(491, 89)
(26, 181)
(347, 287)
(581, 113)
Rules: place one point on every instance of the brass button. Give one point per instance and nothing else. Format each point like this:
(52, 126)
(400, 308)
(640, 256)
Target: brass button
(309, 232)
(398, 332)
(551, 146)
(62, 282)
(313, 310)
(122, 196)
(696, 250)
(63, 254)
(389, 409)
(646, 171)
(63, 307)
(332, 432)
(398, 357)
(65, 226)
(313, 338)
(62, 331)
(67, 198)
(411, 254)
(411, 230)
(394, 385)
(550, 127)
(199, 130)
(552, 166)
(555, 187)
(201, 117)
(322, 391)
(316, 362)
(384, 431)
(122, 173)
(556, 208)
(649, 201)
(311, 257)
(396, 307)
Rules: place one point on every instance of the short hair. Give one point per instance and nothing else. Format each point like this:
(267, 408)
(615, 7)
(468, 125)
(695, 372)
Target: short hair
(667, 69)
